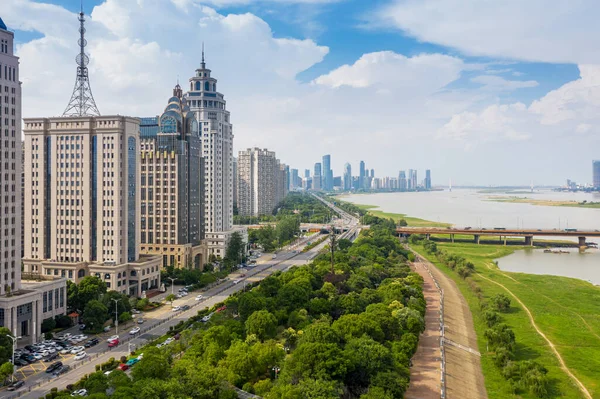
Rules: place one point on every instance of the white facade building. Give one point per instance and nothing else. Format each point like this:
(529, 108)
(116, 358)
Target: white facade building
(258, 175)
(217, 151)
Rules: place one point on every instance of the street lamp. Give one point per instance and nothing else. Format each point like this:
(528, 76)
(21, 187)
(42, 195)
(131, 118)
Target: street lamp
(276, 370)
(116, 316)
(14, 340)
(172, 283)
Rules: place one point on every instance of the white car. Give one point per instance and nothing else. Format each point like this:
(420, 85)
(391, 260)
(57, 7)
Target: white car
(80, 392)
(113, 338)
(141, 356)
(169, 340)
(37, 356)
(106, 373)
(80, 355)
(134, 330)
(77, 349)
(199, 298)
(66, 350)
(176, 308)
(236, 281)
(135, 311)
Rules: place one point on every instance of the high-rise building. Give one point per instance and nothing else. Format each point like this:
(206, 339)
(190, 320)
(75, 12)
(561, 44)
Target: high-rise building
(26, 299)
(258, 172)
(295, 179)
(361, 176)
(172, 186)
(413, 179)
(235, 183)
(327, 182)
(281, 184)
(372, 173)
(307, 173)
(317, 181)
(402, 184)
(347, 177)
(409, 180)
(596, 173)
(216, 132)
(428, 179)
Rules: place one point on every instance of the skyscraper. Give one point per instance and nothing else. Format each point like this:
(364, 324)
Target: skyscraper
(306, 173)
(235, 183)
(361, 176)
(428, 179)
(327, 173)
(372, 173)
(258, 172)
(281, 184)
(409, 180)
(414, 179)
(596, 174)
(402, 184)
(295, 183)
(347, 177)
(216, 132)
(317, 177)
(173, 148)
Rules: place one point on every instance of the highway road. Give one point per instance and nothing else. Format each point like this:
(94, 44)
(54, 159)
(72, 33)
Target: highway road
(157, 324)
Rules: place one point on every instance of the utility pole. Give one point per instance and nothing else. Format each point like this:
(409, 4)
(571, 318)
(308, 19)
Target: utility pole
(14, 340)
(116, 301)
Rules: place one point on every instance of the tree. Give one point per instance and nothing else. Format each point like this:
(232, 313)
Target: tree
(171, 298)
(344, 244)
(402, 223)
(500, 335)
(6, 369)
(262, 323)
(89, 288)
(320, 389)
(124, 317)
(95, 314)
(366, 358)
(287, 228)
(48, 324)
(501, 302)
(6, 345)
(96, 383)
(235, 249)
(317, 361)
(123, 303)
(155, 365)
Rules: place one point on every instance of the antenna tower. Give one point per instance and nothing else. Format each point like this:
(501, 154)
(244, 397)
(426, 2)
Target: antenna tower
(82, 101)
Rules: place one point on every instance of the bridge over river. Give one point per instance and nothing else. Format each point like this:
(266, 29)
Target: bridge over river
(503, 233)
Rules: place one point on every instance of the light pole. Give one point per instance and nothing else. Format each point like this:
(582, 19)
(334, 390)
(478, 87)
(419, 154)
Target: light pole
(116, 316)
(172, 284)
(14, 340)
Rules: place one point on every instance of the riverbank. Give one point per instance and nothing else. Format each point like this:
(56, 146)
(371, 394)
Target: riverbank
(411, 221)
(539, 202)
(565, 310)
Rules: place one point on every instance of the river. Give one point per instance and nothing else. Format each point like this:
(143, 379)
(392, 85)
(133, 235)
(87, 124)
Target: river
(463, 207)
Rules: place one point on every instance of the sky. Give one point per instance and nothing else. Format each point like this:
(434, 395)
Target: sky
(480, 92)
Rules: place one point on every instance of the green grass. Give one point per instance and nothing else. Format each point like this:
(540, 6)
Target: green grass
(413, 222)
(555, 303)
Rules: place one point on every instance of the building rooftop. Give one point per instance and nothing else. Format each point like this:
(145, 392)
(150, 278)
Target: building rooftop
(3, 25)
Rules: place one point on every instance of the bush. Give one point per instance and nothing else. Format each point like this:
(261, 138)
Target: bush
(491, 318)
(48, 324)
(63, 321)
(501, 302)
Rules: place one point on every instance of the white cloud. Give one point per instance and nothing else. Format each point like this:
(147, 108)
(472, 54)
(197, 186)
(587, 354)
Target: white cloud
(497, 83)
(533, 30)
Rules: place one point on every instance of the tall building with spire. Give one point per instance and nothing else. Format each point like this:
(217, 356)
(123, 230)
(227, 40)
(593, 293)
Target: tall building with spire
(216, 131)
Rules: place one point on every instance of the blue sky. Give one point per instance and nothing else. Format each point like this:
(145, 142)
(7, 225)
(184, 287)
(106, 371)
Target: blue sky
(357, 79)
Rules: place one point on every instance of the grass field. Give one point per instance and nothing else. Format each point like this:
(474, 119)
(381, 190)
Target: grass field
(414, 222)
(566, 310)
(532, 201)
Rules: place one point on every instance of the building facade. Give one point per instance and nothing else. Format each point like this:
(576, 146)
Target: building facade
(258, 175)
(596, 174)
(347, 177)
(428, 179)
(216, 131)
(172, 186)
(24, 303)
(82, 184)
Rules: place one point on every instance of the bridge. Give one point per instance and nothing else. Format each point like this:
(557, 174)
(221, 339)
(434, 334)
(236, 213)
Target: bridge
(503, 233)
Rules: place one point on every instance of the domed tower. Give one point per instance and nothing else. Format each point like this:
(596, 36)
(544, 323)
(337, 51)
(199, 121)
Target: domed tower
(209, 108)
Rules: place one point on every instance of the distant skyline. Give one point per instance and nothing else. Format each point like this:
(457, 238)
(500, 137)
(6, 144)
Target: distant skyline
(500, 94)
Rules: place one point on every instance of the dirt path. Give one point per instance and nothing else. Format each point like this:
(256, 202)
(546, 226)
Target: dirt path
(464, 378)
(582, 387)
(425, 373)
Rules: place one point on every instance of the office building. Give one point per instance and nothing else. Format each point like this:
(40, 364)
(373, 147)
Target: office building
(258, 172)
(317, 181)
(327, 182)
(214, 123)
(402, 183)
(235, 183)
(427, 180)
(281, 183)
(172, 186)
(596, 174)
(413, 179)
(361, 175)
(372, 173)
(347, 185)
(409, 180)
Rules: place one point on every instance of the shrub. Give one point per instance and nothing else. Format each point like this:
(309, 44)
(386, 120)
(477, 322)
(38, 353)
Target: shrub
(501, 302)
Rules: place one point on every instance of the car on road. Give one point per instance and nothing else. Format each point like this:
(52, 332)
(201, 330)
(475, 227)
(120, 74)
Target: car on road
(176, 308)
(80, 392)
(107, 329)
(135, 311)
(113, 343)
(185, 307)
(199, 297)
(274, 256)
(77, 349)
(61, 370)
(92, 342)
(134, 330)
(80, 356)
(132, 361)
(206, 318)
(53, 367)
(112, 338)
(16, 385)
(140, 320)
(236, 281)
(123, 367)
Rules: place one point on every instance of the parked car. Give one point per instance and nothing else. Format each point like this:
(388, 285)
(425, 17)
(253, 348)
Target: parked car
(114, 337)
(185, 307)
(61, 370)
(51, 357)
(92, 342)
(80, 392)
(135, 311)
(66, 350)
(140, 320)
(132, 361)
(81, 355)
(199, 297)
(176, 308)
(82, 327)
(77, 349)
(20, 362)
(107, 329)
(16, 385)
(134, 330)
(123, 367)
(113, 343)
